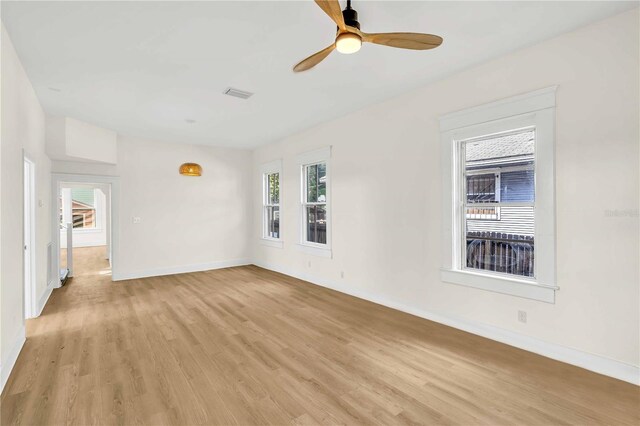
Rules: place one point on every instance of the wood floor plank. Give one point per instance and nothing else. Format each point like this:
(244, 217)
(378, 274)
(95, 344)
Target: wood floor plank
(249, 346)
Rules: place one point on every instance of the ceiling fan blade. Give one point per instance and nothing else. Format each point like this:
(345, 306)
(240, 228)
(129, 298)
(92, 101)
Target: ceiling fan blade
(415, 41)
(332, 8)
(314, 59)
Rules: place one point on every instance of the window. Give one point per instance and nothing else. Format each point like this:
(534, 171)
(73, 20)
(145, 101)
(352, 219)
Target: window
(271, 204)
(315, 199)
(506, 196)
(83, 208)
(498, 187)
(315, 203)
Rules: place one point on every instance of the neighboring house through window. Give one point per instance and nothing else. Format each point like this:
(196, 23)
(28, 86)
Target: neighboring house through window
(498, 186)
(499, 203)
(83, 208)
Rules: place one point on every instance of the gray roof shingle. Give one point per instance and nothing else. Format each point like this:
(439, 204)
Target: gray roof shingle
(514, 145)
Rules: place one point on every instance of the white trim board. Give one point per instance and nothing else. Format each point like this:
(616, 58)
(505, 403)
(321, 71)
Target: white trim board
(87, 244)
(530, 110)
(314, 156)
(30, 253)
(274, 166)
(42, 302)
(179, 269)
(504, 285)
(598, 364)
(507, 107)
(10, 360)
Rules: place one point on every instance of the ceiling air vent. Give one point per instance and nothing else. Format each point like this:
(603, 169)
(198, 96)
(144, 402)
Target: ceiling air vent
(238, 93)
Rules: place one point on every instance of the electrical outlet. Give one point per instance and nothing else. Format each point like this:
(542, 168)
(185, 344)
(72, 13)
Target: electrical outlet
(309, 264)
(136, 219)
(342, 274)
(522, 316)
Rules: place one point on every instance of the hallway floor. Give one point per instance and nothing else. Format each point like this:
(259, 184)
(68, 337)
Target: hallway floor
(88, 261)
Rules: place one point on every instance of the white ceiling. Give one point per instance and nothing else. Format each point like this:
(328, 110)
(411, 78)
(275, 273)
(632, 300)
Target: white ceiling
(144, 68)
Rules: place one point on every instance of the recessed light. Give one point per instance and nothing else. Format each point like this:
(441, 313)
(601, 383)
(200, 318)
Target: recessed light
(190, 120)
(54, 89)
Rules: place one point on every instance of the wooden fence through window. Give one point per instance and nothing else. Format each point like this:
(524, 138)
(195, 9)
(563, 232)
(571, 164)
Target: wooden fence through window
(499, 252)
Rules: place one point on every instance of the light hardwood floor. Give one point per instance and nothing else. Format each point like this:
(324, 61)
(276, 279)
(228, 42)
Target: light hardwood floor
(249, 346)
(87, 261)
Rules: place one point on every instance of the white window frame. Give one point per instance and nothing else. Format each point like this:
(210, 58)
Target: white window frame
(266, 170)
(535, 109)
(322, 155)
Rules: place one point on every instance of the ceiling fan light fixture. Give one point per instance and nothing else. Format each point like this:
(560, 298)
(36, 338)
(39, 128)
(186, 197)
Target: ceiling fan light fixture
(349, 37)
(348, 43)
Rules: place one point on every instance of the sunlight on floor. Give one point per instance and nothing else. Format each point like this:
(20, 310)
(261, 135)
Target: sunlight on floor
(88, 261)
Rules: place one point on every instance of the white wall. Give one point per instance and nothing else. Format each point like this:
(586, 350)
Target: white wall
(69, 139)
(386, 186)
(23, 128)
(186, 223)
(56, 137)
(86, 141)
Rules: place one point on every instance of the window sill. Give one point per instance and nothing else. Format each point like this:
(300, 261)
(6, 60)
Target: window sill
(497, 284)
(314, 250)
(85, 230)
(272, 242)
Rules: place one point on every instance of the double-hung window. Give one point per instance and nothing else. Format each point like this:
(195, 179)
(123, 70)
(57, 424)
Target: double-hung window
(498, 189)
(499, 186)
(315, 218)
(271, 197)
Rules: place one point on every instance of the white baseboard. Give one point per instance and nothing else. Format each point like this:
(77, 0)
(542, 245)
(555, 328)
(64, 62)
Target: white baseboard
(82, 244)
(119, 276)
(596, 363)
(10, 359)
(45, 297)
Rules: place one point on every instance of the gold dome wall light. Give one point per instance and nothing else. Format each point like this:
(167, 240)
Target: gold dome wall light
(191, 169)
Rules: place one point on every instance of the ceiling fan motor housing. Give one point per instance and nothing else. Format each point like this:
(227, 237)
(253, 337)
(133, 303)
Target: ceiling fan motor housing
(350, 18)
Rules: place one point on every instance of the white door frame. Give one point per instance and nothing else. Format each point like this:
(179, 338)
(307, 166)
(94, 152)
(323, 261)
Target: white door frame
(56, 184)
(29, 237)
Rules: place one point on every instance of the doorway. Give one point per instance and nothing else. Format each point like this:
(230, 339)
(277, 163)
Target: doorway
(87, 221)
(84, 228)
(29, 237)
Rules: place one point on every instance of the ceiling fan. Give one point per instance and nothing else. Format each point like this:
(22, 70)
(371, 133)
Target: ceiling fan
(349, 38)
